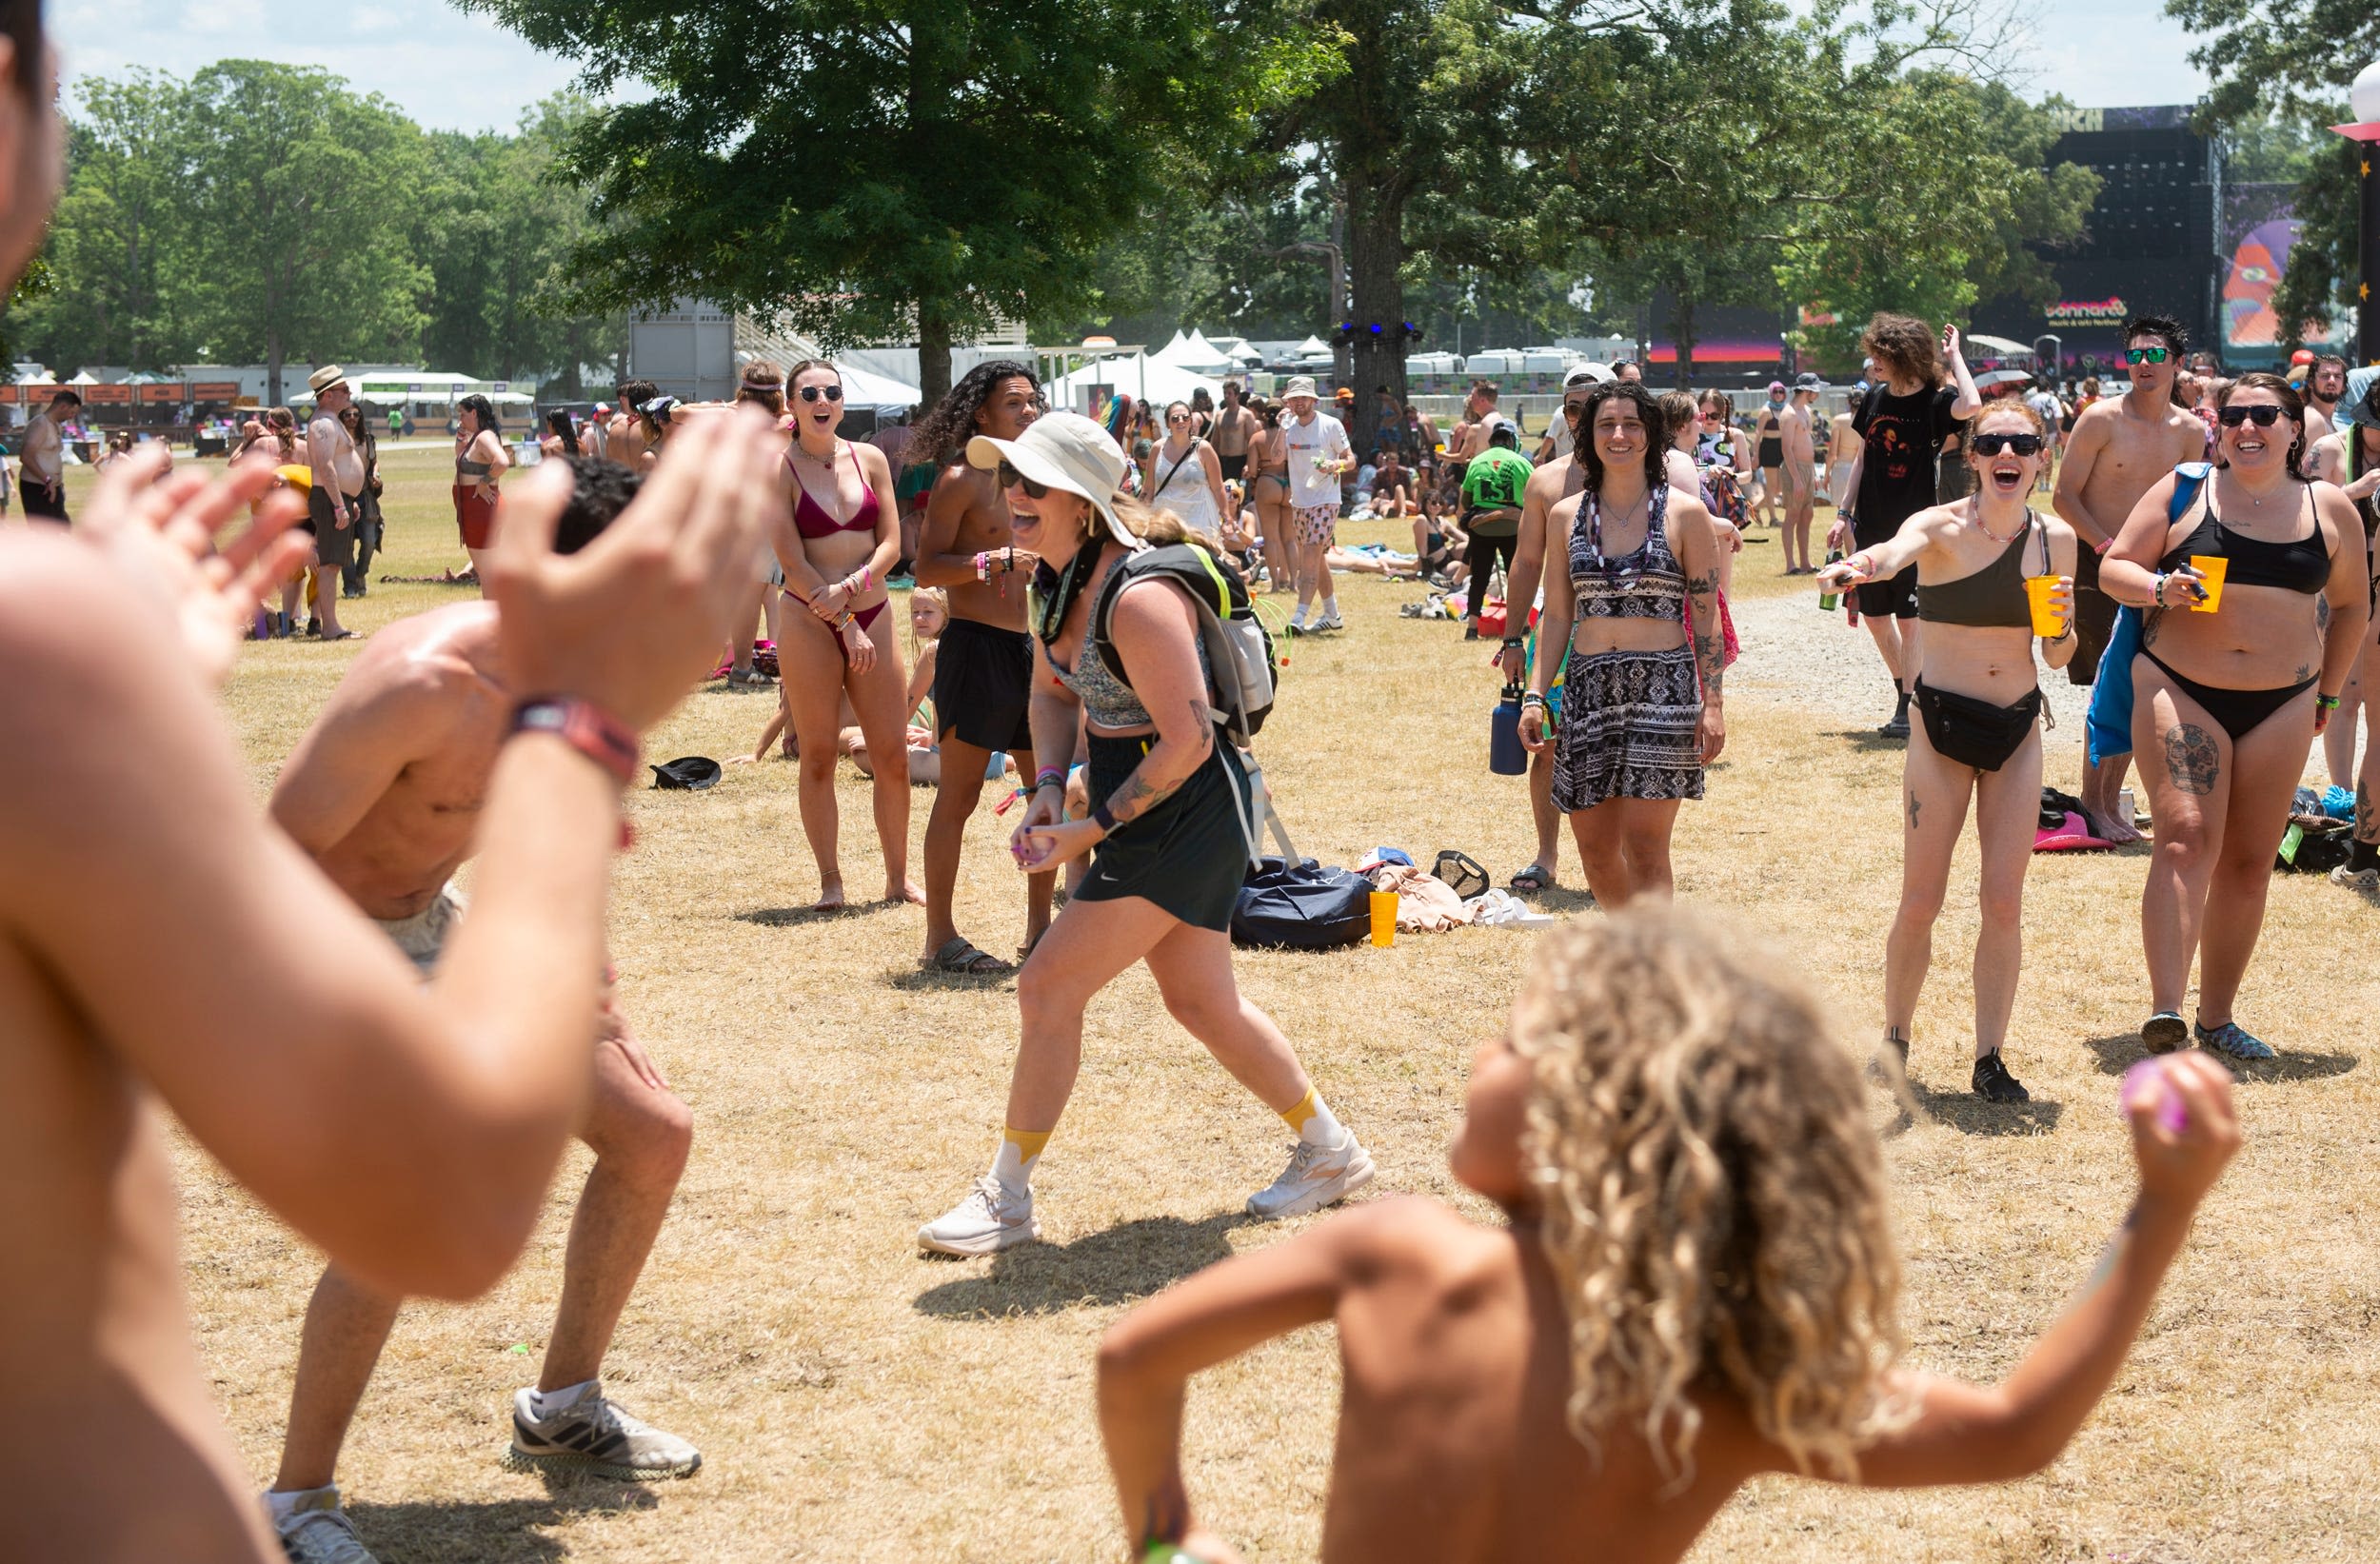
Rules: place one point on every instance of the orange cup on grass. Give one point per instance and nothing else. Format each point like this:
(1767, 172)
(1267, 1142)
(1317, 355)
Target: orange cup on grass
(1383, 918)
(2212, 567)
(2047, 622)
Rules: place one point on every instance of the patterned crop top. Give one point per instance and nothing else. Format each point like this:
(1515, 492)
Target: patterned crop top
(1107, 700)
(1647, 583)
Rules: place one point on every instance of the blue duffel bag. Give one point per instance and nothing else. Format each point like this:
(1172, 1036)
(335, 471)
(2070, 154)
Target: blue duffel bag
(1301, 907)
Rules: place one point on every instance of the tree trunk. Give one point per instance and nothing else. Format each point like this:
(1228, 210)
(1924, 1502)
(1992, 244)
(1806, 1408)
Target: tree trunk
(1376, 285)
(933, 353)
(272, 369)
(1682, 325)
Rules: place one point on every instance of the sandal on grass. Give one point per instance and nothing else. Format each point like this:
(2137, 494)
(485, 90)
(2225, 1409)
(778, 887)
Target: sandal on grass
(962, 960)
(1532, 879)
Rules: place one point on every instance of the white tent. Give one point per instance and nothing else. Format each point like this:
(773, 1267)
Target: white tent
(86, 377)
(889, 397)
(1313, 347)
(1197, 355)
(1138, 375)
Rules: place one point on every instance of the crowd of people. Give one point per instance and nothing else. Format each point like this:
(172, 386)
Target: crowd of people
(1693, 1286)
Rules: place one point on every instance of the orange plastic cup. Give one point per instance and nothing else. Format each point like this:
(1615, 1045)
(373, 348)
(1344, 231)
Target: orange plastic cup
(2047, 622)
(2211, 566)
(1383, 918)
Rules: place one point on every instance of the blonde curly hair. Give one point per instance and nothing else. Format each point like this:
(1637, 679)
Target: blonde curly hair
(1715, 1208)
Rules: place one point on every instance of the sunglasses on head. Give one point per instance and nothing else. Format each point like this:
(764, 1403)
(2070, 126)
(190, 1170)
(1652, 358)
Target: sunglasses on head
(1011, 478)
(2264, 414)
(832, 393)
(2146, 355)
(1992, 445)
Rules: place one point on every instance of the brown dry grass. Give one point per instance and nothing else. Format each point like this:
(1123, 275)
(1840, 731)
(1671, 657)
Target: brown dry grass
(857, 1403)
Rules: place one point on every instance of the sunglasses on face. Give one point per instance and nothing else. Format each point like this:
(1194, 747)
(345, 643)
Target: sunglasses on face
(2146, 355)
(832, 393)
(1176, 418)
(1992, 445)
(1011, 478)
(2264, 414)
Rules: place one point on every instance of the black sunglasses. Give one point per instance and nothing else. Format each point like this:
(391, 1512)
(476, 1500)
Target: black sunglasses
(1011, 478)
(2146, 355)
(1992, 445)
(832, 393)
(2264, 413)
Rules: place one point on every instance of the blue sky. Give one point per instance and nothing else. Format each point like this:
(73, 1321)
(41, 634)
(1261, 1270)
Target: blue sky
(452, 71)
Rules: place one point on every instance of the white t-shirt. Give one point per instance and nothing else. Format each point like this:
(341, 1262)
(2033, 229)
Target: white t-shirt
(2049, 407)
(1323, 438)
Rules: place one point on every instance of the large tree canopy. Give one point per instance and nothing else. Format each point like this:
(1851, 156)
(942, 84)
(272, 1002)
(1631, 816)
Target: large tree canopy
(890, 170)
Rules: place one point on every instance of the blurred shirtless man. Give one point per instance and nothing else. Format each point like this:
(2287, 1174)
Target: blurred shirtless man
(164, 950)
(383, 793)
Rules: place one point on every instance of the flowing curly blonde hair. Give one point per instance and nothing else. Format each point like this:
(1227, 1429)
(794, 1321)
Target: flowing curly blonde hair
(1715, 1209)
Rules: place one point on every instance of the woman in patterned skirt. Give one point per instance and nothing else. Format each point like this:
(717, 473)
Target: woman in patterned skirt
(1640, 712)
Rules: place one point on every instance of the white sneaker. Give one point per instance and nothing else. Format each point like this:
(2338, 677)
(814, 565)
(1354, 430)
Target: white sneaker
(987, 1222)
(1315, 1176)
(319, 1531)
(2358, 879)
(592, 1435)
(1330, 621)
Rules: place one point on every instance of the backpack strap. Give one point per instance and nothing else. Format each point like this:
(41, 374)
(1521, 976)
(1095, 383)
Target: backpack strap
(2187, 478)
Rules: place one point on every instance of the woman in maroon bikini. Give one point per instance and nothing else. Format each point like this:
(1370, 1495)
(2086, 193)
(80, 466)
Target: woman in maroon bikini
(838, 538)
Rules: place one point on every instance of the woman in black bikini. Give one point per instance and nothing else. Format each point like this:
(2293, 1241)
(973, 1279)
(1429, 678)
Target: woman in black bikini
(838, 538)
(1980, 705)
(2230, 701)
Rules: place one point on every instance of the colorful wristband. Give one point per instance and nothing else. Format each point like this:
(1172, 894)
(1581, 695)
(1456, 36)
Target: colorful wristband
(2328, 703)
(585, 728)
(1049, 776)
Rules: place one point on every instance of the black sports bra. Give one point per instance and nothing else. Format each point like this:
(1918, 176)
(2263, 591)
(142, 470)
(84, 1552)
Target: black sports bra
(1994, 596)
(2301, 564)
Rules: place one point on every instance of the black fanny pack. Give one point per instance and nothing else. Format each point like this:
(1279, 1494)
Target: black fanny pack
(1975, 732)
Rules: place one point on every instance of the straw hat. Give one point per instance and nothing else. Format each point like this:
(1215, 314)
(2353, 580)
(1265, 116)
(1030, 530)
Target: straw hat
(328, 375)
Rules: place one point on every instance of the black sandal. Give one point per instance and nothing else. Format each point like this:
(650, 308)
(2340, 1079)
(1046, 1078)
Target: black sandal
(1532, 879)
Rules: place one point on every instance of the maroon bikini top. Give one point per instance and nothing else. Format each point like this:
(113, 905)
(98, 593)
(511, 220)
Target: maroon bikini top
(810, 519)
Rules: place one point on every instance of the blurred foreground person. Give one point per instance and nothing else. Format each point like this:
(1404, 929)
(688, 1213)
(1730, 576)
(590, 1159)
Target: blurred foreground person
(1694, 1287)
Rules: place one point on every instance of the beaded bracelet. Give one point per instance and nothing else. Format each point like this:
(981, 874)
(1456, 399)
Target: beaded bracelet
(1532, 699)
(2327, 702)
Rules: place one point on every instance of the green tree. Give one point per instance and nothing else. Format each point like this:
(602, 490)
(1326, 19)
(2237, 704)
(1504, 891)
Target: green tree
(913, 169)
(498, 229)
(301, 198)
(120, 263)
(2291, 61)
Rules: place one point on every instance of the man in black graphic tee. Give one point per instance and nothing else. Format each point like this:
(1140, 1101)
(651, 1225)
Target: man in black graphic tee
(1902, 425)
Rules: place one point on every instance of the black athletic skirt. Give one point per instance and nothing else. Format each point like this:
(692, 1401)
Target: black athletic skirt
(1189, 855)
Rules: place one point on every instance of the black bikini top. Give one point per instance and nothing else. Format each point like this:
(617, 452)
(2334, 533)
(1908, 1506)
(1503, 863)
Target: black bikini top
(2301, 564)
(1994, 596)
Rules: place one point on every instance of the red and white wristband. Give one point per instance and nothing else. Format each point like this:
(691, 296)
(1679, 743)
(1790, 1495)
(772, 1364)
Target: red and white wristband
(586, 728)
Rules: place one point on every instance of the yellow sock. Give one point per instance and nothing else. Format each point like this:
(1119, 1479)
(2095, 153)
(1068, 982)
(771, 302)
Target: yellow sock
(1311, 1120)
(1018, 1151)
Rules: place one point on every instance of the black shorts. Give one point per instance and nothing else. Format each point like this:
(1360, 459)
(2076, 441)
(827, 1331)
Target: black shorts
(42, 501)
(333, 544)
(984, 688)
(1187, 854)
(1893, 599)
(1233, 466)
(2094, 617)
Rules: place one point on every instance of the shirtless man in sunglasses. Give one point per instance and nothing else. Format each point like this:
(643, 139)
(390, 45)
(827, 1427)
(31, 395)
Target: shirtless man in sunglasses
(2119, 449)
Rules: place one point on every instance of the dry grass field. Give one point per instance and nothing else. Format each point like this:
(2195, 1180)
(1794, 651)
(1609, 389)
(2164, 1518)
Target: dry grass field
(857, 1403)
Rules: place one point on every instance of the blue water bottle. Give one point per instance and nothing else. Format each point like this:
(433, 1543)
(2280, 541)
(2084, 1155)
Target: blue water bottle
(1507, 754)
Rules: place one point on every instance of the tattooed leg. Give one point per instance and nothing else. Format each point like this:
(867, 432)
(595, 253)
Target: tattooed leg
(2192, 759)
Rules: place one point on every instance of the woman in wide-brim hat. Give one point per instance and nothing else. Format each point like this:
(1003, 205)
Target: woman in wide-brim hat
(1169, 850)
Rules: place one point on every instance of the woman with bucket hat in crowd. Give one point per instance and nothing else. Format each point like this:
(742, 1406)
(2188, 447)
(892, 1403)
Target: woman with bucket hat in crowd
(1171, 810)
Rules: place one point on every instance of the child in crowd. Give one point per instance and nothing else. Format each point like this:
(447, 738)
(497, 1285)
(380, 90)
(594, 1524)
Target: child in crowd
(1697, 1284)
(929, 611)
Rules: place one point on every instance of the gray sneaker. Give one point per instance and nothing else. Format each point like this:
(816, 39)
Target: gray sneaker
(1315, 1176)
(319, 1531)
(987, 1222)
(593, 1434)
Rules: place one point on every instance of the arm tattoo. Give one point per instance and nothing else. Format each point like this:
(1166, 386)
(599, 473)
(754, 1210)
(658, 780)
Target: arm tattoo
(1913, 811)
(1702, 583)
(1710, 654)
(2192, 759)
(1137, 794)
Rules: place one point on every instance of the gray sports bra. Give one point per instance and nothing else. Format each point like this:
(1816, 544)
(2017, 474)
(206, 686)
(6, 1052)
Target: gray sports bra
(1107, 700)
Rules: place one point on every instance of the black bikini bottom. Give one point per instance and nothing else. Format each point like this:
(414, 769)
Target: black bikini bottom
(2237, 712)
(1975, 732)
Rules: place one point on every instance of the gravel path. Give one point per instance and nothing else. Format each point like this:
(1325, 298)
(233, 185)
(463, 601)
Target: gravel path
(1796, 655)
